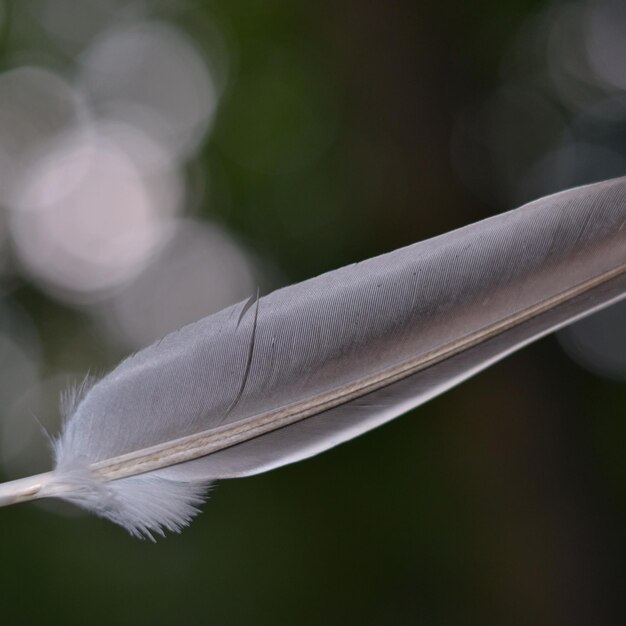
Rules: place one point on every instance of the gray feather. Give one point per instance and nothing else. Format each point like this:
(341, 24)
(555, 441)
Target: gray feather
(334, 356)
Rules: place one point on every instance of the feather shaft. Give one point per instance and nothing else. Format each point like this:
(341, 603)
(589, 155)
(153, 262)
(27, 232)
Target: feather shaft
(24, 489)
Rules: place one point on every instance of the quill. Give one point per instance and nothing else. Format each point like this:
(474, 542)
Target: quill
(266, 383)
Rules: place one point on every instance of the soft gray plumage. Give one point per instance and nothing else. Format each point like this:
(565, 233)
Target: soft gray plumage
(331, 357)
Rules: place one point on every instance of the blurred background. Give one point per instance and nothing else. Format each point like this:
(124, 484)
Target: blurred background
(159, 159)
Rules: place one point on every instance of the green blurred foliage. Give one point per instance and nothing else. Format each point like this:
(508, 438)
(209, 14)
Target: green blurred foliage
(500, 503)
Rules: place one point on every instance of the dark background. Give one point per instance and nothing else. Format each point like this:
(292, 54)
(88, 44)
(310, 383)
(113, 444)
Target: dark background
(265, 142)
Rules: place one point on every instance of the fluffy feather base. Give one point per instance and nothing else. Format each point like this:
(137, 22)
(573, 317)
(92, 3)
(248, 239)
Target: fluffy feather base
(145, 505)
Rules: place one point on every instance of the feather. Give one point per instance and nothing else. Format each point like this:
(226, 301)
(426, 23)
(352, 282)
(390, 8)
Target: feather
(276, 380)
